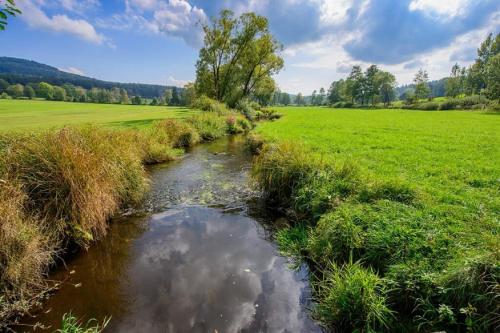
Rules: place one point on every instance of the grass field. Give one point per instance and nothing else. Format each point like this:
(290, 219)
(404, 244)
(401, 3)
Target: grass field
(33, 114)
(400, 213)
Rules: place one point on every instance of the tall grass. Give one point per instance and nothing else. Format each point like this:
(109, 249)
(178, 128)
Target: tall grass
(413, 258)
(61, 187)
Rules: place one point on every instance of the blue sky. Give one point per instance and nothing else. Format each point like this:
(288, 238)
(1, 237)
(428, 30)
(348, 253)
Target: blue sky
(157, 41)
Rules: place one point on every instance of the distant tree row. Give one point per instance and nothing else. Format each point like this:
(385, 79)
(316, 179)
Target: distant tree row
(482, 77)
(71, 93)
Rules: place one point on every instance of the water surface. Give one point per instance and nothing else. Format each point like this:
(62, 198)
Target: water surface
(199, 258)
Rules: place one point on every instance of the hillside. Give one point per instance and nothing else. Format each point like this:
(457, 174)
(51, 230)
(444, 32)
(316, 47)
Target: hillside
(23, 71)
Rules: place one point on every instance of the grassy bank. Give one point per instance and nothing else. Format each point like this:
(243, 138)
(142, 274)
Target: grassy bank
(25, 115)
(396, 211)
(60, 187)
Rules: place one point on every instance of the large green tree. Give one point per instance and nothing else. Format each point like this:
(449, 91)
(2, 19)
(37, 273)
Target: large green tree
(239, 53)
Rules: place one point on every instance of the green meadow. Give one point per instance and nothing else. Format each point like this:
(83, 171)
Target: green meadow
(397, 211)
(36, 114)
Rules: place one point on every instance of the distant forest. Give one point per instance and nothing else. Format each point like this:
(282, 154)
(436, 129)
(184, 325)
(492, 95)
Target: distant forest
(21, 71)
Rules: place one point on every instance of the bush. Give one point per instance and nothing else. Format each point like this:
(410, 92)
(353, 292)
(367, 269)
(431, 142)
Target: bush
(352, 298)
(180, 134)
(428, 106)
(247, 109)
(210, 126)
(205, 103)
(449, 104)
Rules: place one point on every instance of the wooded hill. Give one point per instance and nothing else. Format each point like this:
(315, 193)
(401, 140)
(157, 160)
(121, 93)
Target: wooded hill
(15, 70)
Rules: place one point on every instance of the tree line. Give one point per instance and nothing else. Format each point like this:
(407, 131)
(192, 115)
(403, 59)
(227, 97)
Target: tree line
(374, 86)
(71, 93)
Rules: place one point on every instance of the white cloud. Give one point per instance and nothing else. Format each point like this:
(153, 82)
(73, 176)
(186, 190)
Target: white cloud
(173, 18)
(34, 16)
(440, 7)
(72, 70)
(172, 81)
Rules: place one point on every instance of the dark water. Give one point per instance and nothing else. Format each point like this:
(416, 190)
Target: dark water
(199, 260)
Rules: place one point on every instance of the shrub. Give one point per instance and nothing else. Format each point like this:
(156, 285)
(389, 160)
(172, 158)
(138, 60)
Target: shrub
(428, 106)
(449, 104)
(205, 103)
(181, 134)
(247, 109)
(352, 298)
(470, 101)
(210, 126)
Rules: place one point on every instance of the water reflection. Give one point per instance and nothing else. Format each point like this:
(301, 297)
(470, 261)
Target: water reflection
(191, 266)
(200, 270)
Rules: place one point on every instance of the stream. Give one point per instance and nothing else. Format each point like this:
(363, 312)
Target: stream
(199, 257)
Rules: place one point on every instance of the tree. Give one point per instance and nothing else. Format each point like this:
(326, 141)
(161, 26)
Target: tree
(3, 85)
(355, 84)
(137, 100)
(188, 94)
(371, 84)
(154, 102)
(386, 84)
(29, 92)
(299, 100)
(492, 77)
(7, 8)
(334, 93)
(264, 91)
(59, 94)
(15, 90)
(285, 99)
(476, 74)
(238, 54)
(167, 96)
(455, 84)
(313, 97)
(175, 97)
(421, 82)
(123, 97)
(321, 96)
(45, 90)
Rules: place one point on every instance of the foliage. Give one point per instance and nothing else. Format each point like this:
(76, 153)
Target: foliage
(238, 58)
(25, 72)
(7, 9)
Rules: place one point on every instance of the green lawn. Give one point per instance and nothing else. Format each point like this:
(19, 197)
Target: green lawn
(453, 155)
(419, 219)
(34, 114)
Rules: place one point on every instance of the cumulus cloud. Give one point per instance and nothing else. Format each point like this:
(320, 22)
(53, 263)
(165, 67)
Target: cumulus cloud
(79, 6)
(392, 32)
(176, 82)
(173, 18)
(35, 17)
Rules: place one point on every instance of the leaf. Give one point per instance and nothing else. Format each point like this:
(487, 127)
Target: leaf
(3, 15)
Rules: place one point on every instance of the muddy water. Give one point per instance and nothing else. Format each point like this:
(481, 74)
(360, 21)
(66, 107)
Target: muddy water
(198, 259)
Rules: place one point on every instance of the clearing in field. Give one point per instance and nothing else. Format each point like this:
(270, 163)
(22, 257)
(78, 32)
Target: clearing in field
(33, 114)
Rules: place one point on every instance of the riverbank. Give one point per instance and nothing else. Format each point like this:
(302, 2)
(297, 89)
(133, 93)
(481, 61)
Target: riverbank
(59, 188)
(395, 211)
